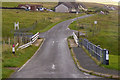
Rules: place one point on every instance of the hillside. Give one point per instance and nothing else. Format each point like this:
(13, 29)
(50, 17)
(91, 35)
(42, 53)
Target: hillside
(108, 2)
(15, 4)
(94, 5)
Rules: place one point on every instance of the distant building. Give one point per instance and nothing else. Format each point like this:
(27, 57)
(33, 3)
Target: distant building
(31, 7)
(109, 7)
(68, 7)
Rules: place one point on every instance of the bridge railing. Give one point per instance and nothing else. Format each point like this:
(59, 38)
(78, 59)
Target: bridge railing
(102, 55)
(75, 38)
(33, 39)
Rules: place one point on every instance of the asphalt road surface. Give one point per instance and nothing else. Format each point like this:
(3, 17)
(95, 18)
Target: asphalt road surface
(53, 59)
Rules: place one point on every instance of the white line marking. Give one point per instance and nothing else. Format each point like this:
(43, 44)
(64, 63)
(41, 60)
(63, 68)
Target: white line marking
(23, 66)
(86, 74)
(65, 38)
(87, 77)
(53, 66)
(68, 28)
(74, 75)
(53, 42)
(31, 57)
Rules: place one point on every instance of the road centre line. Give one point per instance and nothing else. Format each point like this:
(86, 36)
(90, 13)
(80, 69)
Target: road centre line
(53, 42)
(53, 66)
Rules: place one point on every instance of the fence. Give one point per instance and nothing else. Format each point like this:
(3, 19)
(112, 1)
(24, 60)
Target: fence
(75, 38)
(102, 55)
(27, 29)
(95, 51)
(22, 37)
(33, 39)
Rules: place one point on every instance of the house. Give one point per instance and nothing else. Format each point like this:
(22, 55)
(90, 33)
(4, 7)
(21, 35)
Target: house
(68, 7)
(31, 7)
(109, 7)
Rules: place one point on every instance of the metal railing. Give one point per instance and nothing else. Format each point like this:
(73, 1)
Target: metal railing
(96, 51)
(102, 55)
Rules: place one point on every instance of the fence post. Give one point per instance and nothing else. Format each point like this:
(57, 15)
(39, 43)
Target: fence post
(9, 41)
(21, 40)
(101, 56)
(14, 39)
(87, 44)
(105, 57)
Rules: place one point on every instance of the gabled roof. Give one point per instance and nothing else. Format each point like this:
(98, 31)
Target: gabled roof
(71, 4)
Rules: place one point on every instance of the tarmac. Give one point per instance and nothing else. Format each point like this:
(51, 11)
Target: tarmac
(89, 65)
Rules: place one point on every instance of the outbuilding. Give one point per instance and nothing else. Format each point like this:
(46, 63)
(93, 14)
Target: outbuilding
(32, 7)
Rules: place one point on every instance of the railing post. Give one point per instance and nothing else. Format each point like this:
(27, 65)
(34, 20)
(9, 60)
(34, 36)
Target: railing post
(101, 56)
(105, 57)
(87, 44)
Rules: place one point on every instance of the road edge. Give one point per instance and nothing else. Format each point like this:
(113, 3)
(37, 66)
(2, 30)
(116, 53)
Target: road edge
(31, 57)
(89, 71)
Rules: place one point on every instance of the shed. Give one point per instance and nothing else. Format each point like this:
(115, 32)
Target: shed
(32, 7)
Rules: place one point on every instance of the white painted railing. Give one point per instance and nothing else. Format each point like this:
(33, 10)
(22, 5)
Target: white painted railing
(75, 38)
(33, 39)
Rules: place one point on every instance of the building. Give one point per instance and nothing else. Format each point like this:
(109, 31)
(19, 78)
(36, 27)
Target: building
(32, 7)
(68, 7)
(109, 7)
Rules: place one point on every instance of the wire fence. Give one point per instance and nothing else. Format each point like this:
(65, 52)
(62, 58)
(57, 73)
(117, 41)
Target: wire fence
(22, 35)
(27, 29)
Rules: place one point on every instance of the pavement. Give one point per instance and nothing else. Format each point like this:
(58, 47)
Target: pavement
(87, 63)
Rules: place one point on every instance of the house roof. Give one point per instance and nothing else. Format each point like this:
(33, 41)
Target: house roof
(29, 5)
(71, 4)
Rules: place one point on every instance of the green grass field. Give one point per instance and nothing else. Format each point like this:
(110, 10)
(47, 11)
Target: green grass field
(26, 19)
(10, 60)
(15, 4)
(107, 37)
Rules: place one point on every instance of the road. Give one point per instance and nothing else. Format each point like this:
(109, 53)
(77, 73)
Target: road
(53, 59)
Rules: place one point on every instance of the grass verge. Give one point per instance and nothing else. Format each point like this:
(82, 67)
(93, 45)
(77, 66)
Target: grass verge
(10, 60)
(88, 71)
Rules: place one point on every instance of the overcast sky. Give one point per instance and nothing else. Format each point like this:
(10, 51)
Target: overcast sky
(99, 0)
(116, 0)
